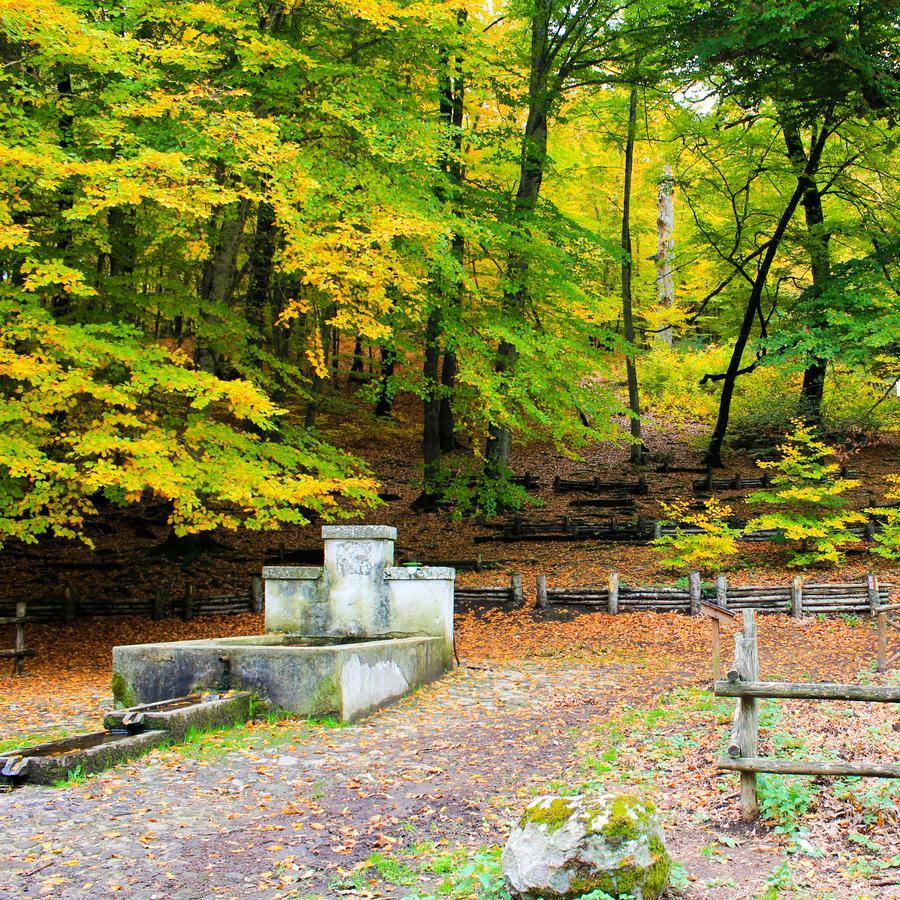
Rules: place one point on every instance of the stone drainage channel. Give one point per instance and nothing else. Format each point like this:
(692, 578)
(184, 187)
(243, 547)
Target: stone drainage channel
(127, 733)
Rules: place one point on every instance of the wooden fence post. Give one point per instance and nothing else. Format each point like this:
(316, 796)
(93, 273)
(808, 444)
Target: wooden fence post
(19, 659)
(612, 584)
(797, 597)
(187, 612)
(542, 602)
(70, 606)
(694, 588)
(257, 596)
(882, 641)
(515, 586)
(874, 593)
(657, 530)
(745, 728)
(159, 605)
(721, 590)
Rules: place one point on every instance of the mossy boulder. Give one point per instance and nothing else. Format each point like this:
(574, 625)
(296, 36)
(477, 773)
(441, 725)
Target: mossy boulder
(564, 847)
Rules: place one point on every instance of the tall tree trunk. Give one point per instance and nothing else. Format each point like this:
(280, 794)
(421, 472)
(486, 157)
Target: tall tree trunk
(813, 390)
(357, 369)
(754, 304)
(446, 423)
(634, 402)
(665, 249)
(531, 173)
(386, 392)
(260, 311)
(431, 426)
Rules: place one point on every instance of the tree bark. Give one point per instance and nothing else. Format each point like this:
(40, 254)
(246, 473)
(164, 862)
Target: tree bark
(665, 250)
(431, 426)
(813, 390)
(754, 304)
(260, 271)
(634, 402)
(446, 423)
(386, 394)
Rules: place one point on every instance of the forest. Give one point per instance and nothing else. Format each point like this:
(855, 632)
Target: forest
(225, 223)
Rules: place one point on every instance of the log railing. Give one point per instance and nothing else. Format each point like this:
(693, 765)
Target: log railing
(744, 684)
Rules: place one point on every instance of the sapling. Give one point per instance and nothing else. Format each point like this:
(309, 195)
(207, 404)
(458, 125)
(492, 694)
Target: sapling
(808, 496)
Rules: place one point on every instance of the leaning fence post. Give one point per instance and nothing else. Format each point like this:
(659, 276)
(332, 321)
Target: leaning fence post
(695, 592)
(797, 597)
(721, 590)
(882, 641)
(515, 587)
(542, 602)
(612, 587)
(257, 602)
(19, 659)
(874, 593)
(188, 610)
(745, 728)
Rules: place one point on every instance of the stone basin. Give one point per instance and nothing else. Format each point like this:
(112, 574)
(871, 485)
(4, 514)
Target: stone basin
(305, 675)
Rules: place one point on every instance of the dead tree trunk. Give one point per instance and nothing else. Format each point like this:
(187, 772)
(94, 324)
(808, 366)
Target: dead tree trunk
(665, 250)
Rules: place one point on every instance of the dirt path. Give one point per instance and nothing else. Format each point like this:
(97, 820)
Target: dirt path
(318, 798)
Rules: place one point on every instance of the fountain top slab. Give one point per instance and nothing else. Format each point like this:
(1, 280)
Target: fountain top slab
(359, 533)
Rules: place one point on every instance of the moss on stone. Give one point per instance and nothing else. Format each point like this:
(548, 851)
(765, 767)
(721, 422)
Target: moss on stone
(627, 818)
(553, 813)
(123, 693)
(327, 698)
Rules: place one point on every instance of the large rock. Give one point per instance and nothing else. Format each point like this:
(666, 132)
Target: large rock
(564, 847)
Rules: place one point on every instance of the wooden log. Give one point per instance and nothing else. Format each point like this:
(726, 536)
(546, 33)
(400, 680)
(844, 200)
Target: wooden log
(882, 641)
(801, 767)
(19, 659)
(797, 597)
(721, 590)
(612, 583)
(695, 592)
(737, 686)
(16, 654)
(542, 592)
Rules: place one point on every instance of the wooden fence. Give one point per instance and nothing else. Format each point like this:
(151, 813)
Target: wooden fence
(797, 598)
(492, 596)
(743, 683)
(19, 652)
(68, 607)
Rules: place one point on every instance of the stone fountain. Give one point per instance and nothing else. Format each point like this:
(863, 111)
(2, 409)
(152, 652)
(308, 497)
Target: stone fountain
(343, 639)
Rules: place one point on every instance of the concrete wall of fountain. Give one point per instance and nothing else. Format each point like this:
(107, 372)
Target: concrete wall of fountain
(342, 639)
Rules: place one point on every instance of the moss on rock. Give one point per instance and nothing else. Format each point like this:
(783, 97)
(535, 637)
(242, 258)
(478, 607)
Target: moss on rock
(553, 812)
(123, 693)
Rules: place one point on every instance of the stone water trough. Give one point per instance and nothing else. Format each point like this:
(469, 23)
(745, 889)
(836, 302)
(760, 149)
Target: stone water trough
(340, 640)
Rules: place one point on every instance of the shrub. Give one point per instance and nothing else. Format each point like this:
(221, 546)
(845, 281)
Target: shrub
(707, 549)
(887, 542)
(810, 509)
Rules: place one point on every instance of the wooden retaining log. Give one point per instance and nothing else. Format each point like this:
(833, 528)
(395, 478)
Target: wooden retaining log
(800, 767)
(736, 686)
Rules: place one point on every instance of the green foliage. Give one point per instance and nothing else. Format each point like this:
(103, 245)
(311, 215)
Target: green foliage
(810, 506)
(784, 800)
(705, 549)
(887, 540)
(478, 493)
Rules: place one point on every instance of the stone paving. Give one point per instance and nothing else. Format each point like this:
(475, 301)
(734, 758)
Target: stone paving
(289, 814)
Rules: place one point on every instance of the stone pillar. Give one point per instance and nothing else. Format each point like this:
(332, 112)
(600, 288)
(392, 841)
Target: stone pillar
(356, 557)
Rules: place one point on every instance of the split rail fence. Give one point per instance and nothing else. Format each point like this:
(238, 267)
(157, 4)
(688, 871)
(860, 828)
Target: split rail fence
(888, 618)
(19, 652)
(797, 598)
(743, 683)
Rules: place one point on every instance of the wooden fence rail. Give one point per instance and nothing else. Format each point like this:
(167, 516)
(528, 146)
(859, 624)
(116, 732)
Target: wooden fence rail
(743, 683)
(888, 618)
(19, 652)
(513, 595)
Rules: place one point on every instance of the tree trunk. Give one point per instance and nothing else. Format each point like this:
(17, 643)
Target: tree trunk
(357, 369)
(386, 392)
(431, 425)
(446, 423)
(260, 312)
(533, 160)
(665, 250)
(754, 304)
(813, 389)
(634, 402)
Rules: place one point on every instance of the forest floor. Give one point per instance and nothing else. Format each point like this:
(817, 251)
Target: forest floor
(416, 801)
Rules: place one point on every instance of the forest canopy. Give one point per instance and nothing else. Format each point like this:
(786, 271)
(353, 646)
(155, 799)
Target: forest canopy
(538, 219)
